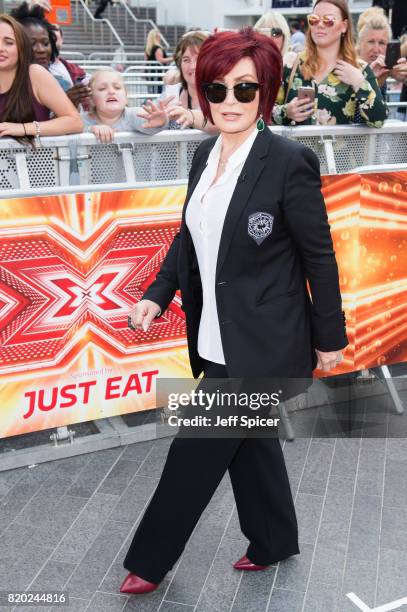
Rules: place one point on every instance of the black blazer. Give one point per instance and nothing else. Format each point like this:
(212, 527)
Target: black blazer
(275, 238)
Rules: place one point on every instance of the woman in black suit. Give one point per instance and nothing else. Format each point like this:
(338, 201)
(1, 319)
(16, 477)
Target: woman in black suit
(254, 230)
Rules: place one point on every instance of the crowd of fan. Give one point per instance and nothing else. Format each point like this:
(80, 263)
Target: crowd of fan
(42, 94)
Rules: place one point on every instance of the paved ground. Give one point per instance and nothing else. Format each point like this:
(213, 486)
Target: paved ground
(67, 524)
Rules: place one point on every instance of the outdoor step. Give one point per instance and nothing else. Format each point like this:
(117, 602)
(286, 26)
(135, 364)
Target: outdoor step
(133, 34)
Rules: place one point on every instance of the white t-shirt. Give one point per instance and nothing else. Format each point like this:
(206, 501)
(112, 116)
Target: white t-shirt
(60, 72)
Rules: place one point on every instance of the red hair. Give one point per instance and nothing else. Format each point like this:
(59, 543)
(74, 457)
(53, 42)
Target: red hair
(223, 50)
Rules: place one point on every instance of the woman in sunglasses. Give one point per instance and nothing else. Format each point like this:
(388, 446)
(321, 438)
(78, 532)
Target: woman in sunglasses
(254, 230)
(274, 24)
(342, 84)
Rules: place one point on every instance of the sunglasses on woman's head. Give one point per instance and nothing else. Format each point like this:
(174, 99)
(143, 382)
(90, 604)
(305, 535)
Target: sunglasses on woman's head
(327, 20)
(243, 92)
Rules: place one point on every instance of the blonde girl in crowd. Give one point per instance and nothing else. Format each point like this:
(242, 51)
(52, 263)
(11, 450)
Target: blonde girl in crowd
(109, 111)
(154, 50)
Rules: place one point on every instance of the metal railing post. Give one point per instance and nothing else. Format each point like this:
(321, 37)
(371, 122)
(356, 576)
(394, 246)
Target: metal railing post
(87, 15)
(85, 23)
(329, 155)
(371, 149)
(145, 22)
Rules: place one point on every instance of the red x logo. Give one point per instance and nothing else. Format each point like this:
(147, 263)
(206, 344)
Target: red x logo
(54, 296)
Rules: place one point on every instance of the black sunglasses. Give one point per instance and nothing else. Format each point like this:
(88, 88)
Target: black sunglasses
(243, 92)
(276, 32)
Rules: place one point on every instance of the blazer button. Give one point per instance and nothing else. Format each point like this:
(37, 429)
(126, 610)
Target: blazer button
(222, 283)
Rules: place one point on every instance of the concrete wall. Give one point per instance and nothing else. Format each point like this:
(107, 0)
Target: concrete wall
(206, 14)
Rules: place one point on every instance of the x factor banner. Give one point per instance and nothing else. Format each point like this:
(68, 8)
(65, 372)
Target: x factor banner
(72, 266)
(368, 217)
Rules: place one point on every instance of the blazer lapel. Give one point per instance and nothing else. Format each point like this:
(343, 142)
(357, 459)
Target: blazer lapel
(245, 184)
(200, 168)
(187, 247)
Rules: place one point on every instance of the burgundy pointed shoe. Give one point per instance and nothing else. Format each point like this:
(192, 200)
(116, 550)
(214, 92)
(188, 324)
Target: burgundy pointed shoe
(135, 584)
(245, 564)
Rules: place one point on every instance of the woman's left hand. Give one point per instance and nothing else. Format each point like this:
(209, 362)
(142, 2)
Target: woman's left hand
(328, 361)
(348, 74)
(183, 116)
(155, 114)
(11, 129)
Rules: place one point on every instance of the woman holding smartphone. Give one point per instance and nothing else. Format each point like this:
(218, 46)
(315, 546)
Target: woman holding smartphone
(254, 231)
(343, 84)
(375, 47)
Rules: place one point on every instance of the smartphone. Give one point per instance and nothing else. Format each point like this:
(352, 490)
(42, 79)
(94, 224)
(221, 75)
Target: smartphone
(392, 53)
(306, 92)
(82, 80)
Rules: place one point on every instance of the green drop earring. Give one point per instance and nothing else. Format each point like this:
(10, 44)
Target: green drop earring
(260, 123)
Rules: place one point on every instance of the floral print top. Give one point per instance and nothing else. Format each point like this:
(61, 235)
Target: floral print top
(336, 102)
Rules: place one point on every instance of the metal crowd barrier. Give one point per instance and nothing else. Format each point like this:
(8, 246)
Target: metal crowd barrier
(155, 65)
(142, 81)
(129, 65)
(138, 56)
(72, 160)
(74, 56)
(395, 110)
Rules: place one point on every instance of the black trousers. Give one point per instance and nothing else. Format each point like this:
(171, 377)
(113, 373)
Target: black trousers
(192, 472)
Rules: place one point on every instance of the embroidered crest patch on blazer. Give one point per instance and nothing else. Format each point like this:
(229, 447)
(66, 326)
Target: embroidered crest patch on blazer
(260, 226)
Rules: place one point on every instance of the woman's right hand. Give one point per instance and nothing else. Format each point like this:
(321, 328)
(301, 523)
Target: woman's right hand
(143, 313)
(300, 110)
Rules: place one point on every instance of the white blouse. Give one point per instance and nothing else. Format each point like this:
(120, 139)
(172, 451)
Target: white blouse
(205, 216)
